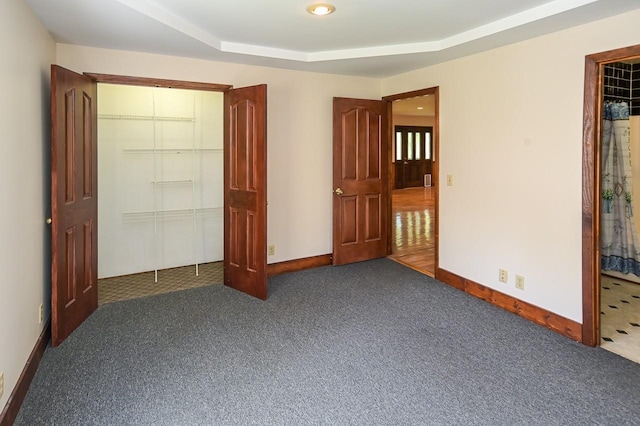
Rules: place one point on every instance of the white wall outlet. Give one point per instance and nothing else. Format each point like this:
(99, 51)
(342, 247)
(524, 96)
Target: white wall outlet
(520, 282)
(503, 275)
(1, 383)
(449, 180)
(41, 313)
(271, 250)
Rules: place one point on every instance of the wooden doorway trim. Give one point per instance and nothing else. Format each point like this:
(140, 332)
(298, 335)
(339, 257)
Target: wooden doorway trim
(157, 82)
(591, 146)
(435, 91)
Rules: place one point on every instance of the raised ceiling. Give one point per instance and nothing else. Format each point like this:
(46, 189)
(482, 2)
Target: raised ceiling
(369, 38)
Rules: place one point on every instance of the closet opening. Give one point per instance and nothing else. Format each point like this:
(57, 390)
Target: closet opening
(74, 187)
(160, 189)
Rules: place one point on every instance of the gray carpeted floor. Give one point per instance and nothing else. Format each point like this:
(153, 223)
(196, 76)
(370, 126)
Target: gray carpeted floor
(369, 343)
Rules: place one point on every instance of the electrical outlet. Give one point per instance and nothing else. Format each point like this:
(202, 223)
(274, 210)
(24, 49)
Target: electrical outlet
(449, 180)
(41, 313)
(271, 250)
(503, 275)
(1, 383)
(520, 282)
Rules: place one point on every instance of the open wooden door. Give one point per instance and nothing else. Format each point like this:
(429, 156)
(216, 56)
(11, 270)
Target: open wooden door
(245, 190)
(360, 179)
(74, 201)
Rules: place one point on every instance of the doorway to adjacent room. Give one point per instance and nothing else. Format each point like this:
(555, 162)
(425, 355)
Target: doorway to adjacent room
(414, 180)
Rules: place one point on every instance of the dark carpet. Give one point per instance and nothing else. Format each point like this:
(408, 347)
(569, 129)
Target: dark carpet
(373, 343)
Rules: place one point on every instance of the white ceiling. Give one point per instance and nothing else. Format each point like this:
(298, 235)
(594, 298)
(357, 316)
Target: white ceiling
(371, 38)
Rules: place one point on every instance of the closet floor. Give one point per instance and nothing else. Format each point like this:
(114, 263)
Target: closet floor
(134, 286)
(620, 317)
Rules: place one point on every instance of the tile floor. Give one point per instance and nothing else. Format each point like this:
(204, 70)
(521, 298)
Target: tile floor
(620, 317)
(134, 286)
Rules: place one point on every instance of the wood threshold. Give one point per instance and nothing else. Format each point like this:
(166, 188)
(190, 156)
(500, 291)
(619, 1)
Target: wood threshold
(19, 393)
(299, 264)
(157, 82)
(554, 322)
(409, 265)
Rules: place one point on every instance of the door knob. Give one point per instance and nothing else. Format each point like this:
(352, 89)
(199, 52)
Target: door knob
(49, 221)
(339, 191)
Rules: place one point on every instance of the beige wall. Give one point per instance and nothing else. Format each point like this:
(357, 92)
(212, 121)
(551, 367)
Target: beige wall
(413, 120)
(299, 127)
(27, 50)
(511, 135)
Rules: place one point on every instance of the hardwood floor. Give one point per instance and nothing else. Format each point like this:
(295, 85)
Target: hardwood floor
(413, 232)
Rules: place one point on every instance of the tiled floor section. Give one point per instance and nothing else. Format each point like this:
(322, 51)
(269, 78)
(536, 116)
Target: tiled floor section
(134, 286)
(620, 317)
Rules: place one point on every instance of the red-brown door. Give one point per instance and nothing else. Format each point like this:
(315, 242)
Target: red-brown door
(245, 193)
(74, 213)
(360, 179)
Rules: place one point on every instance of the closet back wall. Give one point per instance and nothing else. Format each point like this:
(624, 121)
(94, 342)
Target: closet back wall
(160, 178)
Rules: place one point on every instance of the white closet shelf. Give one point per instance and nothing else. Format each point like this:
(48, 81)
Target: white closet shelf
(149, 216)
(169, 150)
(173, 182)
(144, 118)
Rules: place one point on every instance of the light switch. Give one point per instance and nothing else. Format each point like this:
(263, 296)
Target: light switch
(449, 180)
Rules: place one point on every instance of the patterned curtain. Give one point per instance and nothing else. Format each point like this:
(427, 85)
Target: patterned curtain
(619, 240)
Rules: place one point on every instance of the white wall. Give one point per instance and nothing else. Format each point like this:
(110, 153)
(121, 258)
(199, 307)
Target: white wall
(27, 50)
(299, 133)
(511, 135)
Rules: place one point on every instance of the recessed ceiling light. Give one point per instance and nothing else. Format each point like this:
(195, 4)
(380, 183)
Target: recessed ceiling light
(321, 9)
(420, 107)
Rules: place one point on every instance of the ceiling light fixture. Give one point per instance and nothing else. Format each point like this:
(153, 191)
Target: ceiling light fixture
(321, 9)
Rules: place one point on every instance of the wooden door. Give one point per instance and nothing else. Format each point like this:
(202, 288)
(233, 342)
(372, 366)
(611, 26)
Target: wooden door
(74, 195)
(245, 194)
(360, 179)
(412, 155)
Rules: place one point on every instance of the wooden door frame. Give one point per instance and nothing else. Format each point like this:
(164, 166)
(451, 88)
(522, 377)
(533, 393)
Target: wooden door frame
(435, 164)
(591, 175)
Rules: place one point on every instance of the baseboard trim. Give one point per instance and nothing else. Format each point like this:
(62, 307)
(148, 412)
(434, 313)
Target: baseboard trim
(19, 393)
(299, 264)
(557, 323)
